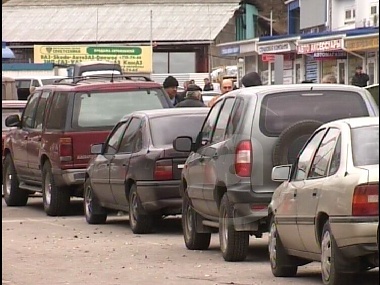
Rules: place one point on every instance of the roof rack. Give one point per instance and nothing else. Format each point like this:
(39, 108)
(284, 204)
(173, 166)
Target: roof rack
(110, 77)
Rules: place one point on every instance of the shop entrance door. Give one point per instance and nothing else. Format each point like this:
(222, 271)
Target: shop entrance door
(371, 71)
(341, 73)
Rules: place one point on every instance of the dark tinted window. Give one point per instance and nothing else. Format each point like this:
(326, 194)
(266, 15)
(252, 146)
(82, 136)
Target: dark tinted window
(236, 117)
(30, 110)
(35, 83)
(321, 159)
(306, 155)
(222, 122)
(132, 138)
(58, 110)
(105, 109)
(281, 110)
(41, 109)
(209, 124)
(365, 145)
(114, 139)
(23, 83)
(165, 129)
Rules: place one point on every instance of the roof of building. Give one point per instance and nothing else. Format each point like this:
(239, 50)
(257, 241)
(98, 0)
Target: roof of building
(48, 21)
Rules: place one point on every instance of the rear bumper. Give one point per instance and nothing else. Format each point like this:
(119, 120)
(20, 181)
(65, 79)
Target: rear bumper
(69, 177)
(356, 236)
(160, 196)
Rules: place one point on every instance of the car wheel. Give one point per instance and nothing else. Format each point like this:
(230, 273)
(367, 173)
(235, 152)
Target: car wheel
(331, 259)
(94, 213)
(193, 240)
(140, 222)
(233, 244)
(56, 199)
(279, 260)
(13, 195)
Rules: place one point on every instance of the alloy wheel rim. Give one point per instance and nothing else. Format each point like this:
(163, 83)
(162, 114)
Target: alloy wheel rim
(88, 201)
(224, 230)
(326, 255)
(188, 220)
(8, 182)
(133, 209)
(272, 245)
(47, 190)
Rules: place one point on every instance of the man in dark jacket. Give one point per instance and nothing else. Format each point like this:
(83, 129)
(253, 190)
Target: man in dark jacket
(360, 78)
(251, 79)
(193, 97)
(208, 85)
(170, 85)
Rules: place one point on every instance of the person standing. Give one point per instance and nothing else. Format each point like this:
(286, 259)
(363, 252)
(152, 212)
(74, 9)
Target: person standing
(193, 97)
(226, 86)
(170, 85)
(208, 85)
(360, 78)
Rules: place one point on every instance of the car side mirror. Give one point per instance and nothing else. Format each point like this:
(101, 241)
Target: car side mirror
(281, 173)
(13, 121)
(183, 144)
(97, 148)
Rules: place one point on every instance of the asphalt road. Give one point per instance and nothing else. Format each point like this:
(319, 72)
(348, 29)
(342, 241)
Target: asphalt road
(41, 250)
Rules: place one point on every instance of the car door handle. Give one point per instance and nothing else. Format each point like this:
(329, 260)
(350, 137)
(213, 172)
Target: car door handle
(295, 193)
(25, 137)
(215, 155)
(315, 192)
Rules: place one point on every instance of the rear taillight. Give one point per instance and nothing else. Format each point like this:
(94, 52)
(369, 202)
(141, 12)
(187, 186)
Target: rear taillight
(243, 156)
(66, 149)
(163, 170)
(365, 201)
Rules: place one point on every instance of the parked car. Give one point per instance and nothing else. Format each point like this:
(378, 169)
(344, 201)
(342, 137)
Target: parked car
(208, 95)
(8, 89)
(327, 208)
(49, 150)
(137, 170)
(374, 90)
(9, 107)
(23, 83)
(226, 183)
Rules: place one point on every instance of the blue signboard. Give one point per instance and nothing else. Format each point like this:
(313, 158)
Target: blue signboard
(311, 69)
(232, 50)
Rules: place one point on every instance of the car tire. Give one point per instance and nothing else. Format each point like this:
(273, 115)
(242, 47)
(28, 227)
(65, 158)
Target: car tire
(280, 261)
(233, 244)
(56, 199)
(139, 220)
(13, 195)
(291, 141)
(94, 213)
(193, 239)
(331, 259)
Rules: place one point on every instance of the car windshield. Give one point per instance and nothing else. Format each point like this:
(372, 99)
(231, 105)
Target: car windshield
(165, 129)
(7, 112)
(282, 110)
(105, 109)
(365, 145)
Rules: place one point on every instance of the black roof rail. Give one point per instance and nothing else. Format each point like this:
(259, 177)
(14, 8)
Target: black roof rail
(77, 79)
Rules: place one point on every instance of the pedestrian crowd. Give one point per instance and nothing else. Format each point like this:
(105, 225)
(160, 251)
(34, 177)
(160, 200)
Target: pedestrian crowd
(192, 94)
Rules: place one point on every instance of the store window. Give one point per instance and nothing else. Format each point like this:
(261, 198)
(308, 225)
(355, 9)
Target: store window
(329, 67)
(174, 62)
(264, 71)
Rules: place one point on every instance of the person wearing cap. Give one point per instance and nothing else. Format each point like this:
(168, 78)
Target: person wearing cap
(251, 79)
(170, 85)
(193, 97)
(360, 78)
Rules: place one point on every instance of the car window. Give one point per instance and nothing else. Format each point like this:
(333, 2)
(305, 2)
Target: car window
(321, 160)
(115, 138)
(58, 109)
(306, 155)
(222, 122)
(35, 83)
(210, 121)
(27, 120)
(132, 138)
(23, 83)
(41, 109)
(365, 145)
(105, 109)
(335, 159)
(165, 129)
(236, 117)
(280, 110)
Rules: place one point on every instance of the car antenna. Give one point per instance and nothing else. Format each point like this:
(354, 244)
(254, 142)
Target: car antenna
(113, 68)
(346, 173)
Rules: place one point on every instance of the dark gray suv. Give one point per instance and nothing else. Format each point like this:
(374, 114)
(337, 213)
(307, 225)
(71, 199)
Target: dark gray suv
(226, 182)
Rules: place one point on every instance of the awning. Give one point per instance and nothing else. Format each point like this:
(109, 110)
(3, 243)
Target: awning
(6, 51)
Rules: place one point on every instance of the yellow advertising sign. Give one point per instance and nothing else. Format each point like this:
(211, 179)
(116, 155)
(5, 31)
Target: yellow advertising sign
(136, 59)
(362, 44)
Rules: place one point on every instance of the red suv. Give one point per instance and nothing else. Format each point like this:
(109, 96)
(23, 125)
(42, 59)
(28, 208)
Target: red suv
(49, 150)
